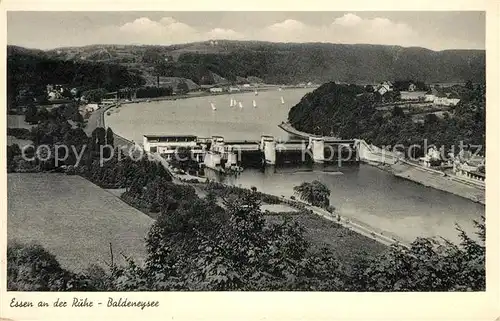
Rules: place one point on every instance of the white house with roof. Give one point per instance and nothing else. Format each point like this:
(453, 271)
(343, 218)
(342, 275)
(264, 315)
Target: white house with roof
(215, 90)
(412, 95)
(445, 101)
(468, 166)
(168, 145)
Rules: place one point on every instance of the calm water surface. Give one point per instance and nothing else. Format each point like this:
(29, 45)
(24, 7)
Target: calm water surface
(363, 193)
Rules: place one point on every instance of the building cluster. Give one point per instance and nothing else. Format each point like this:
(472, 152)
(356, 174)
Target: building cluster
(55, 92)
(219, 89)
(384, 87)
(465, 164)
(412, 94)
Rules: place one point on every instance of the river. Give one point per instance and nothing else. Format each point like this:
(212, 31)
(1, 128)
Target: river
(362, 193)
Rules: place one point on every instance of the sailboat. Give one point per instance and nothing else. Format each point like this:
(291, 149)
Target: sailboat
(256, 93)
(240, 104)
(213, 106)
(279, 89)
(254, 103)
(282, 100)
(232, 103)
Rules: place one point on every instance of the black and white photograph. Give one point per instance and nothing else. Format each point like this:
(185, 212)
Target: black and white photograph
(196, 151)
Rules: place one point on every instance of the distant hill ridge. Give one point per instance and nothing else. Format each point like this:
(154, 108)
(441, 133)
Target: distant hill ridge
(284, 62)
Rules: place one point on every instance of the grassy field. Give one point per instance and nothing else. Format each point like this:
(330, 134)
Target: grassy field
(344, 243)
(17, 121)
(74, 219)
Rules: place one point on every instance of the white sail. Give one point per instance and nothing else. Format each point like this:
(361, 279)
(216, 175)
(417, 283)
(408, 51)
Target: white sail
(282, 100)
(254, 103)
(240, 104)
(231, 104)
(213, 106)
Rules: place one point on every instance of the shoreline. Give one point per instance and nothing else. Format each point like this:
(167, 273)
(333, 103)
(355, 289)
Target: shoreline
(196, 94)
(422, 176)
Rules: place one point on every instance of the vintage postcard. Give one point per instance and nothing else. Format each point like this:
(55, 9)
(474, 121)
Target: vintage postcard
(246, 161)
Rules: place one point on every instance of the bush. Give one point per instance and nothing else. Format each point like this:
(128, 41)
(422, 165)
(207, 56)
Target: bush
(20, 133)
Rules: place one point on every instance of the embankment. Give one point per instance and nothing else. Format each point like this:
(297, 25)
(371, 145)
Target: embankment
(437, 180)
(391, 162)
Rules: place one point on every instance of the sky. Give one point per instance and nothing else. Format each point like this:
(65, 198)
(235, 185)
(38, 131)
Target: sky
(436, 30)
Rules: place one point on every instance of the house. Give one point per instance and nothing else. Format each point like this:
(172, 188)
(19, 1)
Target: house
(388, 85)
(413, 95)
(168, 145)
(445, 101)
(412, 87)
(89, 108)
(382, 90)
(468, 166)
(54, 95)
(429, 97)
(216, 90)
(432, 158)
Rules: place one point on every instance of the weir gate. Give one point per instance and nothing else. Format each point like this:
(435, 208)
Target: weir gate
(217, 153)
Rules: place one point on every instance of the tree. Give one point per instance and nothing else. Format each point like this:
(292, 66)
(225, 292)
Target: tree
(31, 114)
(94, 95)
(428, 265)
(469, 85)
(110, 137)
(315, 193)
(32, 268)
(98, 139)
(182, 87)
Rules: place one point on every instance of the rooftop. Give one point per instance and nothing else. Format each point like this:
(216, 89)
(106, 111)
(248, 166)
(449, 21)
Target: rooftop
(171, 136)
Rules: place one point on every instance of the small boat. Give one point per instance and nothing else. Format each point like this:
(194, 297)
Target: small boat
(213, 106)
(282, 100)
(280, 89)
(256, 93)
(254, 103)
(232, 103)
(240, 104)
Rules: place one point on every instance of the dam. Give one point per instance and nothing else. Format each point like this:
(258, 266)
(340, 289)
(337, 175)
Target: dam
(218, 153)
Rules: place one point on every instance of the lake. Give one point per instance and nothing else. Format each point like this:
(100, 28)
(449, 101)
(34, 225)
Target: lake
(362, 193)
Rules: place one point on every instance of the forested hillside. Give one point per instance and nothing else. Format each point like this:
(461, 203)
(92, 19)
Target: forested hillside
(293, 62)
(338, 110)
(32, 70)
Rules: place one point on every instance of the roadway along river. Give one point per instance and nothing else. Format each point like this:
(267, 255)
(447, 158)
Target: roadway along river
(363, 193)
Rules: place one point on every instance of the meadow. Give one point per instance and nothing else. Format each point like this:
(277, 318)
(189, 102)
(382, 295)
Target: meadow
(74, 219)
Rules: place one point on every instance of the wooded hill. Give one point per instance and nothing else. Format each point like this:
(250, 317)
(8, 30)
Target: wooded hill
(117, 66)
(292, 62)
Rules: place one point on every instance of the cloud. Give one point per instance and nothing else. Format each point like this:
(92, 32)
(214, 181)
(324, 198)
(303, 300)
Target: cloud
(349, 28)
(348, 20)
(165, 30)
(220, 33)
(288, 24)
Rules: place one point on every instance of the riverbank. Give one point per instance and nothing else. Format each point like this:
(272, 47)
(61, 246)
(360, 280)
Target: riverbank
(437, 180)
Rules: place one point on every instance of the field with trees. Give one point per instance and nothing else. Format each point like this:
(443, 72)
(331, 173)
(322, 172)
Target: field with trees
(196, 244)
